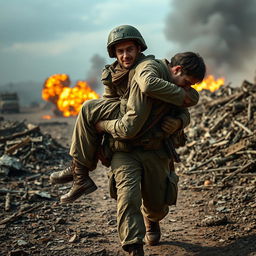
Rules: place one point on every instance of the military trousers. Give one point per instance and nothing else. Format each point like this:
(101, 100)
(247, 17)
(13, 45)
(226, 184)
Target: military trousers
(85, 139)
(139, 180)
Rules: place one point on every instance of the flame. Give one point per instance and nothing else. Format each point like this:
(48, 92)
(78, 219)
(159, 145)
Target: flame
(68, 100)
(47, 117)
(209, 83)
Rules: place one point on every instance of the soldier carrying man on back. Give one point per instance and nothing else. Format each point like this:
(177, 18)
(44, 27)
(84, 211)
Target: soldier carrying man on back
(141, 104)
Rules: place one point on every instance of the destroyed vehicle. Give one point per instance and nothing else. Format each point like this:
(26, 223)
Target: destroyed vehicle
(9, 103)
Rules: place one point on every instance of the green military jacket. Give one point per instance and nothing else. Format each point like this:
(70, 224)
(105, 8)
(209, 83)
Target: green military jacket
(117, 88)
(150, 91)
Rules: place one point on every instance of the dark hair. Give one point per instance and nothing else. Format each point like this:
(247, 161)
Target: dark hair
(192, 64)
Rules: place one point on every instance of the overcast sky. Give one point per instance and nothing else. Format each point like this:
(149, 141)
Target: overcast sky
(39, 38)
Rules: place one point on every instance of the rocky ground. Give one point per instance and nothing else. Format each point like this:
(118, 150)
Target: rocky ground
(208, 220)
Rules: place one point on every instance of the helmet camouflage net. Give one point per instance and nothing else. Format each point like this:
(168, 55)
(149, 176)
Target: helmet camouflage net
(122, 33)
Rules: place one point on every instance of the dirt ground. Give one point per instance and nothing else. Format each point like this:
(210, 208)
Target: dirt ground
(88, 227)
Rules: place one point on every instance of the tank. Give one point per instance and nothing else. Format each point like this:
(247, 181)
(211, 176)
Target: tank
(9, 103)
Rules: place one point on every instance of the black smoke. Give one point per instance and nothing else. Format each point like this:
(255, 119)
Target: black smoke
(94, 73)
(222, 31)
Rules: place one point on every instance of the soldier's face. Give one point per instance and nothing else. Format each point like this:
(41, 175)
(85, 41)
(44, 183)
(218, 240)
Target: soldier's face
(127, 53)
(181, 79)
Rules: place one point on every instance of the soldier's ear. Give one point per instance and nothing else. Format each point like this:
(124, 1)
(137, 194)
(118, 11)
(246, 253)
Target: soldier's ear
(177, 70)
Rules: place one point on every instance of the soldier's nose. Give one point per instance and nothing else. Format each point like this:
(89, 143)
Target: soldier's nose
(125, 54)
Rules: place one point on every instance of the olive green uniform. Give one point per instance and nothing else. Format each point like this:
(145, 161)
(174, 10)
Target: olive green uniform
(85, 140)
(140, 168)
(142, 176)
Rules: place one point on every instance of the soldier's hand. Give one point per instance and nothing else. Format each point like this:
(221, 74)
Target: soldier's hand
(170, 124)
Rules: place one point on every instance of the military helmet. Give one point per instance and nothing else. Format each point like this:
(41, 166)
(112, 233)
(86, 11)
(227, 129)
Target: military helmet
(124, 32)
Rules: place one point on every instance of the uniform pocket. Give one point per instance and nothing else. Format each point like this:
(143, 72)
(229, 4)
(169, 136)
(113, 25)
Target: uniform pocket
(112, 185)
(172, 188)
(105, 74)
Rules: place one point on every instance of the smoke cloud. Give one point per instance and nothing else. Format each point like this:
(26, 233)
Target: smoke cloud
(222, 32)
(94, 73)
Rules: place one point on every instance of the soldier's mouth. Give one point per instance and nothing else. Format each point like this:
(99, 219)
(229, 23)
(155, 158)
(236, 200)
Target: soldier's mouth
(128, 62)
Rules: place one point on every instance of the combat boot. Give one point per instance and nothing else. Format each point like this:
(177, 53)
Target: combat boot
(153, 232)
(82, 184)
(62, 177)
(135, 250)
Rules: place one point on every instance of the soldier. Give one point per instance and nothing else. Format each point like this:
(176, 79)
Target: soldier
(86, 140)
(142, 175)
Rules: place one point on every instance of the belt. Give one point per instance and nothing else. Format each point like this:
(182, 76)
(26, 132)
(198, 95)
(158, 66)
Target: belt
(144, 144)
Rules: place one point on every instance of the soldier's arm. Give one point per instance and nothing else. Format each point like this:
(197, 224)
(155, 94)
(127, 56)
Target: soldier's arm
(174, 122)
(149, 79)
(137, 112)
(184, 115)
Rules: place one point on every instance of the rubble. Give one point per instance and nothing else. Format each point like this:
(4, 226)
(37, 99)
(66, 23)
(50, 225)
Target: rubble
(217, 170)
(27, 156)
(214, 221)
(24, 147)
(220, 154)
(33, 221)
(7, 164)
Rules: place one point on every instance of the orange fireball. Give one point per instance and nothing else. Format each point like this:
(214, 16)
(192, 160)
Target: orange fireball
(53, 87)
(209, 83)
(68, 100)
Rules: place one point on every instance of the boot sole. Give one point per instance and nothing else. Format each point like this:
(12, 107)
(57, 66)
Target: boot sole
(78, 194)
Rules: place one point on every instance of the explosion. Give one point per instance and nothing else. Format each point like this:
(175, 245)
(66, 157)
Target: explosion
(209, 83)
(68, 100)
